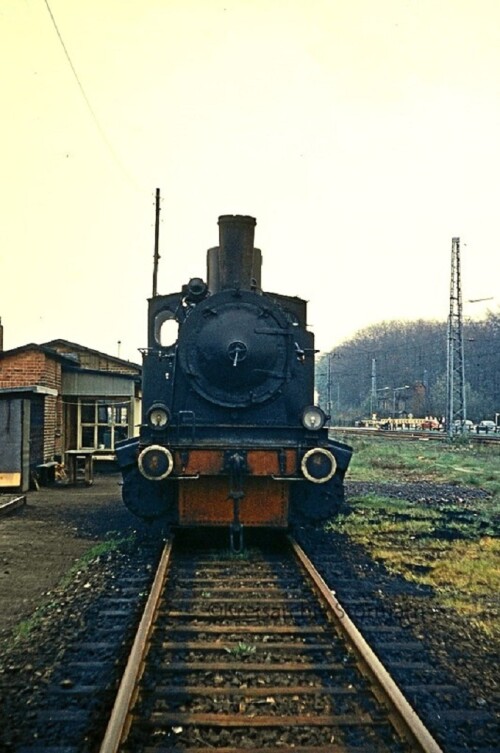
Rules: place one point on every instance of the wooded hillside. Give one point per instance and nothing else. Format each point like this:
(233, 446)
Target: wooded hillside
(413, 354)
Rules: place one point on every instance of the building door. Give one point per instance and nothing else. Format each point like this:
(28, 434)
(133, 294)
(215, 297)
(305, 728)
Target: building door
(14, 443)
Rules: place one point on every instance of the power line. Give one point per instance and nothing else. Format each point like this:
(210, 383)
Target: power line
(87, 101)
(80, 86)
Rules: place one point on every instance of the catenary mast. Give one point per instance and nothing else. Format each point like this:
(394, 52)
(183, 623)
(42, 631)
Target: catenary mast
(455, 373)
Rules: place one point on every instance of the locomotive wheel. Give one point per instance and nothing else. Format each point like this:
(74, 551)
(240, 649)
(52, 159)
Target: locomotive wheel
(149, 500)
(313, 503)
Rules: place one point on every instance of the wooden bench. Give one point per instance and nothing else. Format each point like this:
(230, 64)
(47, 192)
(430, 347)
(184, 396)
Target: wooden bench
(73, 459)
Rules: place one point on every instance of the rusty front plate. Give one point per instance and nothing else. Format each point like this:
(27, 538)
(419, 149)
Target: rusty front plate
(265, 503)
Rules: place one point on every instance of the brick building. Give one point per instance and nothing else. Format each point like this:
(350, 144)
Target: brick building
(62, 396)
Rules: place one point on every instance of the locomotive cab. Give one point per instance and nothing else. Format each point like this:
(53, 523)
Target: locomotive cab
(230, 435)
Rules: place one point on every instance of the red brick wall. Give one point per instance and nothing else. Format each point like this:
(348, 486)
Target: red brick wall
(30, 368)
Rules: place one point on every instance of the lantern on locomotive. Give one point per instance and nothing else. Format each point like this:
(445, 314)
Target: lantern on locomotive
(230, 435)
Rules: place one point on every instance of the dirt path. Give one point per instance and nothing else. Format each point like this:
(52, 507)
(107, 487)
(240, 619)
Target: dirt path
(41, 541)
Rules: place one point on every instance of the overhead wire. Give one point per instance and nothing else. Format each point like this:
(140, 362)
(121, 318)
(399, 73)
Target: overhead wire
(91, 110)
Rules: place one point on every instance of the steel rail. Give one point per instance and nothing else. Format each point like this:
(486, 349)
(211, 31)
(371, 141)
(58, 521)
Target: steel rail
(117, 725)
(410, 434)
(403, 716)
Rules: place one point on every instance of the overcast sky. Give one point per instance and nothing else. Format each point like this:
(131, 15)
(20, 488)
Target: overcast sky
(362, 135)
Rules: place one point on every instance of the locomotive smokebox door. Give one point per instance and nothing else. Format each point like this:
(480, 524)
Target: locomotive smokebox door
(236, 351)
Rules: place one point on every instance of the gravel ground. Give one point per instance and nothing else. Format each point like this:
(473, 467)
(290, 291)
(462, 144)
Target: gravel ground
(43, 540)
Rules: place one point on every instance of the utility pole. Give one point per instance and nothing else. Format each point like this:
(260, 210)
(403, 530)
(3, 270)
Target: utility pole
(329, 385)
(329, 378)
(157, 237)
(455, 372)
(373, 396)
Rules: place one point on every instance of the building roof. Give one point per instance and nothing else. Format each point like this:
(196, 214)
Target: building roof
(50, 352)
(82, 348)
(37, 389)
(100, 372)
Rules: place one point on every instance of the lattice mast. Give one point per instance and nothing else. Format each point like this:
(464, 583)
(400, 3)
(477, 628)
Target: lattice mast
(455, 374)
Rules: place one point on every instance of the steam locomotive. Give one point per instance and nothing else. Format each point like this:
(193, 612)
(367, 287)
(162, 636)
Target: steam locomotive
(230, 435)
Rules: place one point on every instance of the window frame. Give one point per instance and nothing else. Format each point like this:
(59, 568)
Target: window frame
(106, 411)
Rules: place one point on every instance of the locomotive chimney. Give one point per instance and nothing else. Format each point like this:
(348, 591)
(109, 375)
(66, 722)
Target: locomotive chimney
(213, 269)
(235, 262)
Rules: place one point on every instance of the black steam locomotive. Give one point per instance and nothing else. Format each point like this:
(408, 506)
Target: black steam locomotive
(230, 435)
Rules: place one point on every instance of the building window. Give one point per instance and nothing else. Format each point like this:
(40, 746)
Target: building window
(102, 423)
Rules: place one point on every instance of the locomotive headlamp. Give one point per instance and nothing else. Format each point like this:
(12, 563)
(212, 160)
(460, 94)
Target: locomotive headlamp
(155, 462)
(158, 416)
(313, 418)
(318, 465)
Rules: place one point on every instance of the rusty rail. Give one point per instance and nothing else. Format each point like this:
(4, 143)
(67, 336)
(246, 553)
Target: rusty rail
(118, 722)
(403, 716)
(206, 592)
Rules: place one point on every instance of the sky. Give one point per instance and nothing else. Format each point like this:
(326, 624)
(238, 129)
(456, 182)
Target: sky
(363, 136)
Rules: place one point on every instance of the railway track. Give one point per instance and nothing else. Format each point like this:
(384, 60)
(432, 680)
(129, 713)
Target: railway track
(254, 652)
(409, 434)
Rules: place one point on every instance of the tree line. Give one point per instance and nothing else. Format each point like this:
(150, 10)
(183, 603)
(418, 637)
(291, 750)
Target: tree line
(401, 367)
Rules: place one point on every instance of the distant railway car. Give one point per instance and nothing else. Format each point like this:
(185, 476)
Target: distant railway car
(230, 435)
(408, 422)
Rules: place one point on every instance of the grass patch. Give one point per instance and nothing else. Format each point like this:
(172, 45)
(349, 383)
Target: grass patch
(26, 627)
(423, 546)
(455, 548)
(241, 650)
(103, 548)
(379, 460)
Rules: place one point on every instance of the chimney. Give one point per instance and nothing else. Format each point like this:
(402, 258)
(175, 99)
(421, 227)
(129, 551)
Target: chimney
(1, 335)
(235, 263)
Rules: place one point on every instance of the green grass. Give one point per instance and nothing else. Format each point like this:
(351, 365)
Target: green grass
(455, 548)
(26, 627)
(380, 460)
(241, 651)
